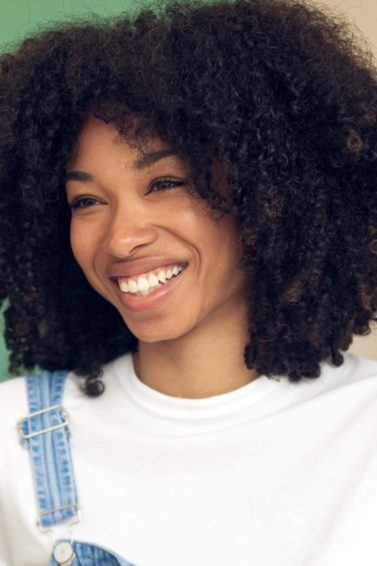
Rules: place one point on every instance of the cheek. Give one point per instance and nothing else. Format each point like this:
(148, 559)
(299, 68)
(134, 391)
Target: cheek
(218, 249)
(82, 244)
(220, 240)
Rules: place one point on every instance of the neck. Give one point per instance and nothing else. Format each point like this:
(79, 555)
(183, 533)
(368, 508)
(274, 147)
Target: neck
(202, 363)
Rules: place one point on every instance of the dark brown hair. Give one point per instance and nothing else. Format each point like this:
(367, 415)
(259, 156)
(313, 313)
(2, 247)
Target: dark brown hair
(281, 93)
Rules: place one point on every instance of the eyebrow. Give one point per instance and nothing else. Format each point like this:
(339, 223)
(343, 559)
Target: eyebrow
(142, 163)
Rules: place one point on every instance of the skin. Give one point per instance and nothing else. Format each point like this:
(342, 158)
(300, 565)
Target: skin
(192, 345)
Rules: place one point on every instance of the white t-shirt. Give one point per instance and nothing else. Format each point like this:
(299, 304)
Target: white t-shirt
(270, 474)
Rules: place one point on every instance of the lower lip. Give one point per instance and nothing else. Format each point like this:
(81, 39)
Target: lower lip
(137, 303)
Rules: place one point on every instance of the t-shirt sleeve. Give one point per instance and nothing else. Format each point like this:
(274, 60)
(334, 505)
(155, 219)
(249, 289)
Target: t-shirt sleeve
(5, 559)
(12, 400)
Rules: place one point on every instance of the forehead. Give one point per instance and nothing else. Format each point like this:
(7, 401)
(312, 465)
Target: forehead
(97, 136)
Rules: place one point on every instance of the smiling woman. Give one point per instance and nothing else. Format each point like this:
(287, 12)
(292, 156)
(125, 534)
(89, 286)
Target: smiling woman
(188, 246)
(134, 230)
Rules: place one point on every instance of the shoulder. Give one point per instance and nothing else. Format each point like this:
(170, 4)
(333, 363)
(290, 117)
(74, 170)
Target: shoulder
(355, 369)
(356, 373)
(14, 397)
(13, 402)
(352, 386)
(361, 381)
(359, 368)
(13, 407)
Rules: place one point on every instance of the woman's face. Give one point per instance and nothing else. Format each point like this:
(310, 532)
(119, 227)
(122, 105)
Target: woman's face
(128, 217)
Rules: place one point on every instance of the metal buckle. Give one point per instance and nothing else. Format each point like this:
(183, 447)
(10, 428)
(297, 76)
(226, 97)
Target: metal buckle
(77, 520)
(55, 427)
(52, 530)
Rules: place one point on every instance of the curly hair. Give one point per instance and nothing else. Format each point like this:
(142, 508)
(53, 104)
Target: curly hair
(282, 94)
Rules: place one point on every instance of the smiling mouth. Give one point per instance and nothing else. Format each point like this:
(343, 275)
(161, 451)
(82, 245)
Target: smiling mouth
(151, 290)
(153, 299)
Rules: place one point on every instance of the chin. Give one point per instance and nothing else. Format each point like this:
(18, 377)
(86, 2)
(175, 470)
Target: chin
(150, 333)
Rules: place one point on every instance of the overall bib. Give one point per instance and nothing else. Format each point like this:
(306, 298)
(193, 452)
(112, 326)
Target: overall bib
(45, 433)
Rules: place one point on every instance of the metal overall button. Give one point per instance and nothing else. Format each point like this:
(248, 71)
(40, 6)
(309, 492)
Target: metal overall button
(63, 554)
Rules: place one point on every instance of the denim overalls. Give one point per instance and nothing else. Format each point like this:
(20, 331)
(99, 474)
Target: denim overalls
(45, 433)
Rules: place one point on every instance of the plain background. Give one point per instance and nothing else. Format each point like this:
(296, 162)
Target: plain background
(19, 18)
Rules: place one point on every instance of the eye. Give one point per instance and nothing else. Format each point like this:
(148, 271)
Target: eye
(162, 186)
(166, 182)
(76, 203)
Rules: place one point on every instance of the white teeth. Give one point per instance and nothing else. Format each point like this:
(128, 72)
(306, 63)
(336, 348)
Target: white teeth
(161, 276)
(132, 286)
(144, 284)
(123, 286)
(152, 280)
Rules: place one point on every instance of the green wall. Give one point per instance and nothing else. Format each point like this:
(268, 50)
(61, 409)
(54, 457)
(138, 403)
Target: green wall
(18, 19)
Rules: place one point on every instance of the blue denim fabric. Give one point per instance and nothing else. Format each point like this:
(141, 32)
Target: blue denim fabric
(50, 452)
(91, 555)
(52, 467)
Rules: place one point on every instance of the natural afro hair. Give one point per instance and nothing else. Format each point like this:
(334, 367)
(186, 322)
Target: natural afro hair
(281, 93)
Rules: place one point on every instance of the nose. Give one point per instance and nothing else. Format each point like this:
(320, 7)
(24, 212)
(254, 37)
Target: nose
(129, 227)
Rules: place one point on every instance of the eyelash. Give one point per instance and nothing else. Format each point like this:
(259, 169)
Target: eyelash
(77, 202)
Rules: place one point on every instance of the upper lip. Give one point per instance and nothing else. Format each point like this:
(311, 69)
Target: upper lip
(138, 266)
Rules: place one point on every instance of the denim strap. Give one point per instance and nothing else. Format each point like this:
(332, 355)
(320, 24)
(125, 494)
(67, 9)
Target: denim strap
(46, 435)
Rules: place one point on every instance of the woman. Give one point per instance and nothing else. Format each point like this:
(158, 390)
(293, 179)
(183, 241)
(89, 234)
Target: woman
(188, 243)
